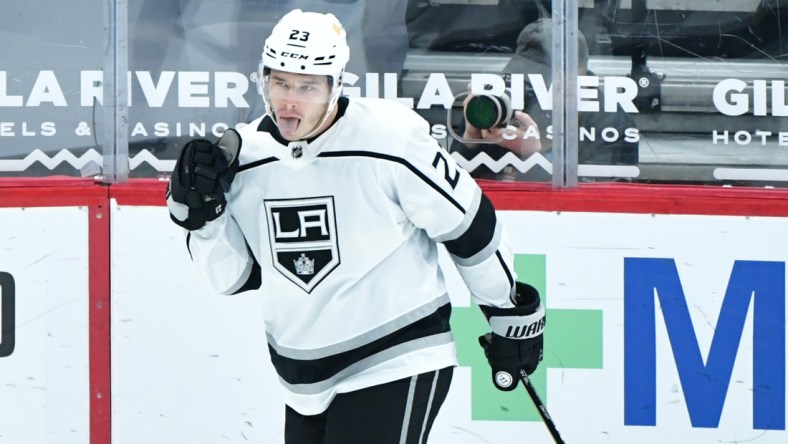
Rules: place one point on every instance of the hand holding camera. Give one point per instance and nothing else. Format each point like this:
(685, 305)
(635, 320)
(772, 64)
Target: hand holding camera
(491, 119)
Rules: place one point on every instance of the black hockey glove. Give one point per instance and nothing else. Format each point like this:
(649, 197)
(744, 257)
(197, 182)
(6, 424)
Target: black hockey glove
(202, 174)
(516, 341)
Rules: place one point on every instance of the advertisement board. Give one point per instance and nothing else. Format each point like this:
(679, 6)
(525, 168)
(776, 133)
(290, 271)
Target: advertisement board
(44, 323)
(660, 327)
(188, 365)
(665, 323)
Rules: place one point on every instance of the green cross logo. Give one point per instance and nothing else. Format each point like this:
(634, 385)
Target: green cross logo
(573, 339)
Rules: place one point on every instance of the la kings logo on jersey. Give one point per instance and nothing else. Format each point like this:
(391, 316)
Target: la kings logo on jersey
(303, 237)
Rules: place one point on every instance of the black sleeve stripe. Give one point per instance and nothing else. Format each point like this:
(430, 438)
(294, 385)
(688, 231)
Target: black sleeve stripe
(483, 254)
(400, 161)
(462, 227)
(478, 235)
(189, 247)
(254, 281)
(505, 269)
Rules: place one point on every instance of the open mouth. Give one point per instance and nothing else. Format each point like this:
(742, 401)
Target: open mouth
(288, 125)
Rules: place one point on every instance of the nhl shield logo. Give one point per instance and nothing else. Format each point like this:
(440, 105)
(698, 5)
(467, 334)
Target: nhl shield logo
(303, 238)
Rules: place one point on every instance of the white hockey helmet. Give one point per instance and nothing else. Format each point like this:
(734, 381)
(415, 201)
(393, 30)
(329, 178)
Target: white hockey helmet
(306, 43)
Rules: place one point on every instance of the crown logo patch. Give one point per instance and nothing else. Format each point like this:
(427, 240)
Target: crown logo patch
(304, 265)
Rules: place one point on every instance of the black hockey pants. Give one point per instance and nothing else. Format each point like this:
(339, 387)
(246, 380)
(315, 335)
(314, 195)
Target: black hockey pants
(399, 412)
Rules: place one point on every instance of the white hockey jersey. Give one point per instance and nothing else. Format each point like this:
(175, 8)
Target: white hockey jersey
(340, 234)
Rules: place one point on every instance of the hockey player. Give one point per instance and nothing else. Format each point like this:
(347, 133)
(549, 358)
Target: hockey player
(334, 210)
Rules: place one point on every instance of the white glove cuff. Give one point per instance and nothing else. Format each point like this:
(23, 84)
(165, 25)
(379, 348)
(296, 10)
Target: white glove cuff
(519, 327)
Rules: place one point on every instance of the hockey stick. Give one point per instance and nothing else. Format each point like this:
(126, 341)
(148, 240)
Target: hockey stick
(541, 407)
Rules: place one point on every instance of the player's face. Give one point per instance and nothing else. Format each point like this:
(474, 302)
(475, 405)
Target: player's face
(299, 102)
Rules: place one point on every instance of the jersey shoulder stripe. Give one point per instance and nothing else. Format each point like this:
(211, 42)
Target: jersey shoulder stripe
(401, 161)
(257, 163)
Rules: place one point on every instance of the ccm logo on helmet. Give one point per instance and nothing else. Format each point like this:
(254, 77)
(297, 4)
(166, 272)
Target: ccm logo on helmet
(293, 55)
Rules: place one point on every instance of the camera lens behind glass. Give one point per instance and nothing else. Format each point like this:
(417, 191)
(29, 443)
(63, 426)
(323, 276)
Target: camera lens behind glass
(485, 112)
